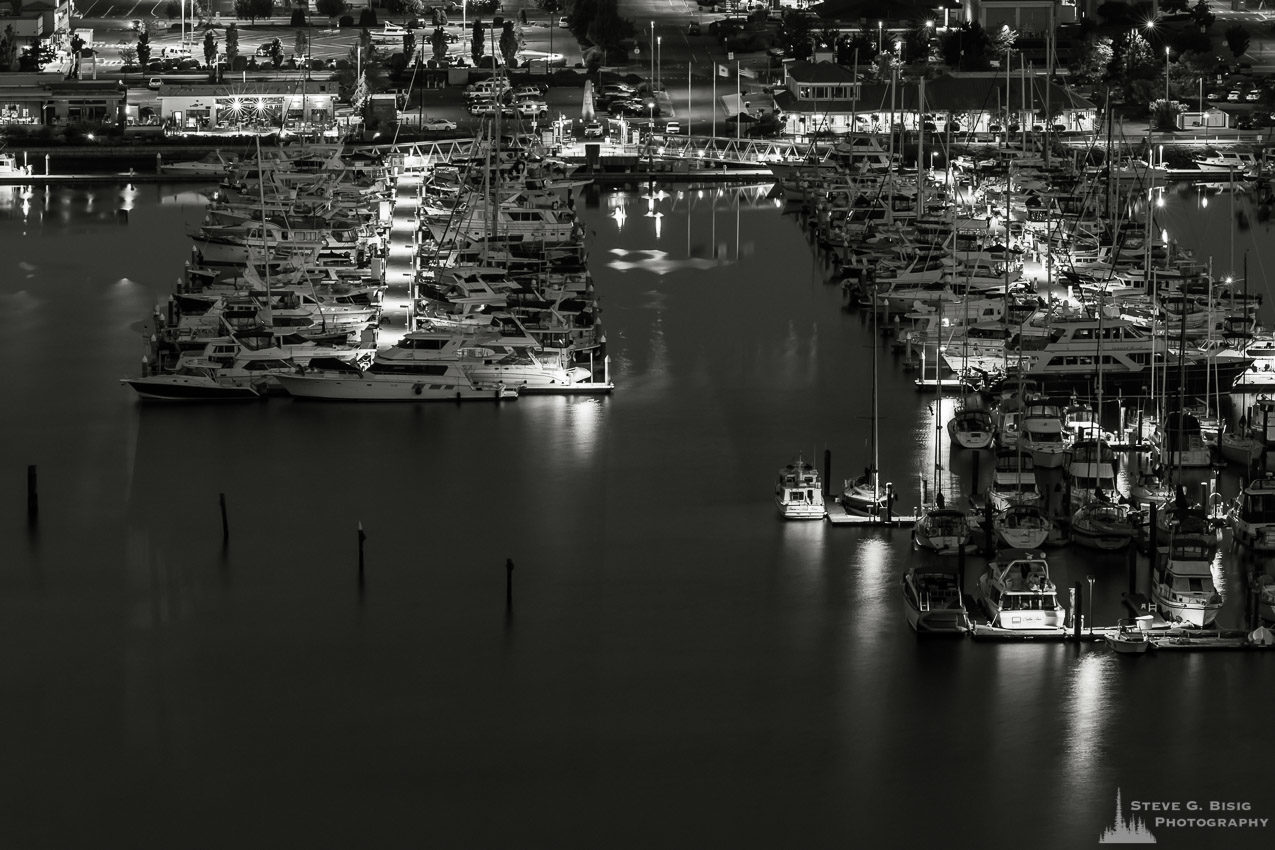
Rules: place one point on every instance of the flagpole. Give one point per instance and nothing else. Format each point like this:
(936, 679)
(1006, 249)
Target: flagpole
(688, 98)
(739, 102)
(714, 103)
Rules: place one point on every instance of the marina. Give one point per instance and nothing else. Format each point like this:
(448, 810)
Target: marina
(634, 624)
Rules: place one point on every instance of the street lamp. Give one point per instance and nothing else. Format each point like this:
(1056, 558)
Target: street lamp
(659, 61)
(1166, 76)
(880, 24)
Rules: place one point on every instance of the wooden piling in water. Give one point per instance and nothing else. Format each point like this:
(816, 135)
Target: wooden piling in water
(33, 495)
(827, 471)
(509, 582)
(362, 538)
(225, 523)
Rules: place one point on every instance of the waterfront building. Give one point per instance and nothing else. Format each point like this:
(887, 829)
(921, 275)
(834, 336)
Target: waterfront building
(34, 98)
(198, 106)
(823, 97)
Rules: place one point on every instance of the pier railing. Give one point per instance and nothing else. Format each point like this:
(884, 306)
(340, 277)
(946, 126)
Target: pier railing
(718, 150)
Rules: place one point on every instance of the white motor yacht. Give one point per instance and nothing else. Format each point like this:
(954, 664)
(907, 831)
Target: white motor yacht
(799, 491)
(1018, 594)
(1182, 586)
(1253, 516)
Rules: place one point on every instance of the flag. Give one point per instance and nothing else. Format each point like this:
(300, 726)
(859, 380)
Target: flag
(723, 71)
(748, 72)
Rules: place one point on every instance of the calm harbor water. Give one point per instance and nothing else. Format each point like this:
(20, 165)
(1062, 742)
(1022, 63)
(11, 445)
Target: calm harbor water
(680, 668)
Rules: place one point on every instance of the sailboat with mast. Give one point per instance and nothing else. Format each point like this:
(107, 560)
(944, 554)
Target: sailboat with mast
(940, 528)
(864, 496)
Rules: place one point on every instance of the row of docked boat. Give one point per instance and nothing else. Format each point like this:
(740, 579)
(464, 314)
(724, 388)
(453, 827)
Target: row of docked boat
(282, 299)
(949, 267)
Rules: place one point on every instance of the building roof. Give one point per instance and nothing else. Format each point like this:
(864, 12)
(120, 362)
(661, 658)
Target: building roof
(888, 10)
(818, 72)
(295, 88)
(948, 94)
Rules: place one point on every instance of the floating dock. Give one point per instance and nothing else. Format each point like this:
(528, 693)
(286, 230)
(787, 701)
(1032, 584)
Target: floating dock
(838, 515)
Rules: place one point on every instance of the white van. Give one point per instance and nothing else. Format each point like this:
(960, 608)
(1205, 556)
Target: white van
(489, 87)
(174, 53)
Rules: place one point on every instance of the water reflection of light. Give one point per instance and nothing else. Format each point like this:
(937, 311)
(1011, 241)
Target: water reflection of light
(619, 215)
(1087, 708)
(654, 260)
(128, 197)
(574, 425)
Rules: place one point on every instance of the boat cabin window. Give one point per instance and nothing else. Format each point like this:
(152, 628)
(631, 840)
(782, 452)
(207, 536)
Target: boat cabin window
(1192, 584)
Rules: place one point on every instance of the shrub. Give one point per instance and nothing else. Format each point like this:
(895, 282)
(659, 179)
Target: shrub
(298, 18)
(367, 18)
(346, 21)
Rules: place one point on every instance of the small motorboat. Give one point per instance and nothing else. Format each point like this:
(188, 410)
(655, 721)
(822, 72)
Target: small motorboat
(1129, 637)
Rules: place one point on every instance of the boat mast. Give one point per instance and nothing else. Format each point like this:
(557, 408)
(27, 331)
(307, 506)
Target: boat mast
(265, 233)
(875, 442)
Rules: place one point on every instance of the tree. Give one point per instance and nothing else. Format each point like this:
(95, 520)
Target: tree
(438, 44)
(172, 10)
(966, 47)
(301, 46)
(330, 8)
(298, 16)
(409, 46)
(1090, 58)
(210, 49)
(276, 53)
(478, 43)
(143, 48)
(1237, 39)
(509, 44)
(8, 48)
(128, 53)
(607, 29)
(232, 44)
(1202, 16)
(251, 10)
(77, 44)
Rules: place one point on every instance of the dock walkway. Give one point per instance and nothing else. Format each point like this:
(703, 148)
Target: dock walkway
(400, 260)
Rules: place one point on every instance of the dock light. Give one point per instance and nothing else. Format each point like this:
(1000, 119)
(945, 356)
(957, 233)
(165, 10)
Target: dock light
(1230, 280)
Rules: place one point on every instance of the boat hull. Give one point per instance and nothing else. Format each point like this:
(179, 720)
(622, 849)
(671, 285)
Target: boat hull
(1198, 615)
(385, 388)
(1104, 540)
(178, 388)
(801, 512)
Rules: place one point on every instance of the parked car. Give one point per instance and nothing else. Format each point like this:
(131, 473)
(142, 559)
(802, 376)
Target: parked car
(692, 28)
(524, 92)
(1234, 96)
(437, 124)
(672, 128)
(1244, 122)
(628, 108)
(619, 90)
(531, 108)
(1253, 95)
